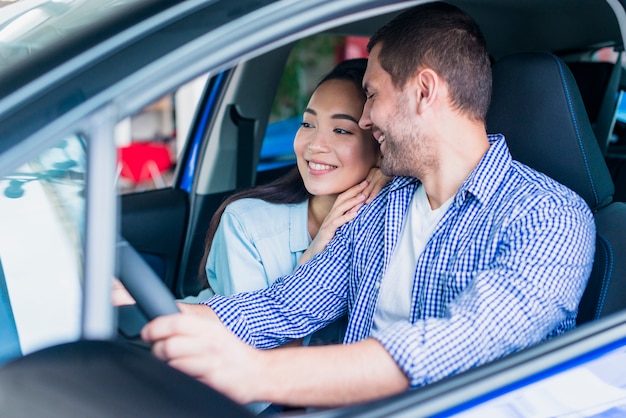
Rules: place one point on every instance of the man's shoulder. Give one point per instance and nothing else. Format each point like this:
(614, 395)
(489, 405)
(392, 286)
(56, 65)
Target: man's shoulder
(537, 180)
(397, 183)
(371, 213)
(539, 186)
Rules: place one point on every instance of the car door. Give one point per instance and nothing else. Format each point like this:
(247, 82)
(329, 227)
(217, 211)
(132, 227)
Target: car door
(167, 225)
(155, 220)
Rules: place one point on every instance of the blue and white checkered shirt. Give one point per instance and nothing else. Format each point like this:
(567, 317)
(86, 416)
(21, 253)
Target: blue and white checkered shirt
(504, 269)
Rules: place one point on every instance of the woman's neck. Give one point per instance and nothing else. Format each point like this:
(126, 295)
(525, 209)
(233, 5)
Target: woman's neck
(319, 208)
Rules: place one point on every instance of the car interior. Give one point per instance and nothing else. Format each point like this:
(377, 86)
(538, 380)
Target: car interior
(582, 137)
(555, 99)
(174, 249)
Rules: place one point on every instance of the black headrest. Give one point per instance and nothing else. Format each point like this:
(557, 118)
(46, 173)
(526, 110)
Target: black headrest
(592, 79)
(537, 106)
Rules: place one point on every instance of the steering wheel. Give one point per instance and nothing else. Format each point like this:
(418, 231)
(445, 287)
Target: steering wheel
(144, 285)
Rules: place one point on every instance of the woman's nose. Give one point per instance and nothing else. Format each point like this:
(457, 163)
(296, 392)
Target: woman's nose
(318, 142)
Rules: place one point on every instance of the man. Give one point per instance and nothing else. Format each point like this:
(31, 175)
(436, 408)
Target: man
(465, 257)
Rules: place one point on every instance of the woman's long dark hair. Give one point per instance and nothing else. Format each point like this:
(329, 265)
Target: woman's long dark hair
(288, 189)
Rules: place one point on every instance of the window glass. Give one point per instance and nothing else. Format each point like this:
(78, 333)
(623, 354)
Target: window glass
(150, 142)
(617, 138)
(310, 59)
(28, 27)
(617, 141)
(591, 386)
(41, 250)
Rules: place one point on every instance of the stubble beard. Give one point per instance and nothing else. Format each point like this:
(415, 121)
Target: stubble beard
(406, 149)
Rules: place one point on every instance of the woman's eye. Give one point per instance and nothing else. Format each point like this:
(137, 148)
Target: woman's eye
(306, 125)
(342, 131)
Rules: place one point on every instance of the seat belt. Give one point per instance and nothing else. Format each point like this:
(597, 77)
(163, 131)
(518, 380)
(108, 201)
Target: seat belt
(605, 121)
(245, 148)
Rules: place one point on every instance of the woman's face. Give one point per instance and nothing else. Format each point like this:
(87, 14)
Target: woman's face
(332, 151)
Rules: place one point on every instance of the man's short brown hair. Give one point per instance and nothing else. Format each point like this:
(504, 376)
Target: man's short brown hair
(444, 38)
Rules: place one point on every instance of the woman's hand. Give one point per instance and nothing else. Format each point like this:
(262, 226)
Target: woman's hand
(376, 180)
(344, 210)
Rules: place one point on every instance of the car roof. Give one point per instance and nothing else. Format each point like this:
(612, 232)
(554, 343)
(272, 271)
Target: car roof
(552, 26)
(512, 26)
(134, 41)
(75, 68)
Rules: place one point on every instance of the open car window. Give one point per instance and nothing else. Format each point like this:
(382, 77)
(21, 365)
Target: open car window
(150, 143)
(41, 242)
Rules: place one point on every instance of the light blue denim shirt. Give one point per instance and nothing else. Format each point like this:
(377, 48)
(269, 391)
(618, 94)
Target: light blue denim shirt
(255, 243)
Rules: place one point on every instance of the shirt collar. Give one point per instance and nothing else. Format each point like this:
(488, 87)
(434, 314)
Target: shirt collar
(400, 182)
(484, 180)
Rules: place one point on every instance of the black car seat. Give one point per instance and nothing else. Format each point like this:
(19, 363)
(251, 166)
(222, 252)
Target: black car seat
(536, 104)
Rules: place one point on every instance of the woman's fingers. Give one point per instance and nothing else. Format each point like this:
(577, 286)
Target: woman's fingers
(351, 197)
(352, 192)
(376, 180)
(347, 205)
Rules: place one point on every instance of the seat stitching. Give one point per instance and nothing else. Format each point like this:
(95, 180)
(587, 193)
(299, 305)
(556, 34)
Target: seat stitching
(608, 273)
(573, 116)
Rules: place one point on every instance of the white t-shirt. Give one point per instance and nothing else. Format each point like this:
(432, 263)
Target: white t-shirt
(394, 300)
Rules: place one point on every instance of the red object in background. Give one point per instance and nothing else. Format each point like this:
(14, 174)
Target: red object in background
(141, 161)
(353, 47)
(356, 47)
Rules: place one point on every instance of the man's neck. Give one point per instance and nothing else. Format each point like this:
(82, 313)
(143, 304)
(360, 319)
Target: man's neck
(463, 152)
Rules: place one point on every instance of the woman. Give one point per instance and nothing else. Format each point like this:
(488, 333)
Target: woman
(262, 233)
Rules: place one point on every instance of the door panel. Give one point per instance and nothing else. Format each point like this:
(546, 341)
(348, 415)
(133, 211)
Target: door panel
(192, 278)
(155, 223)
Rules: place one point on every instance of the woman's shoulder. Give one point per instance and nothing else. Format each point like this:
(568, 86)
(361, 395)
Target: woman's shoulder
(259, 214)
(258, 207)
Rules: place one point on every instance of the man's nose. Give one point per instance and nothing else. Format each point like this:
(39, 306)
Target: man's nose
(365, 122)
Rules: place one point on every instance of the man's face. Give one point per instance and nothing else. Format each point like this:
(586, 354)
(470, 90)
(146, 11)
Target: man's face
(391, 115)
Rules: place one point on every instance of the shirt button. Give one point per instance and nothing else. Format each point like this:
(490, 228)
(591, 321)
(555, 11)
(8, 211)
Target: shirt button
(377, 285)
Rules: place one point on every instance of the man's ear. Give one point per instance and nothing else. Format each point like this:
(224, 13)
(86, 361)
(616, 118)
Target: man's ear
(427, 84)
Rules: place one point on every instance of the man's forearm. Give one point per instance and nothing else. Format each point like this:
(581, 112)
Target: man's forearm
(330, 375)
